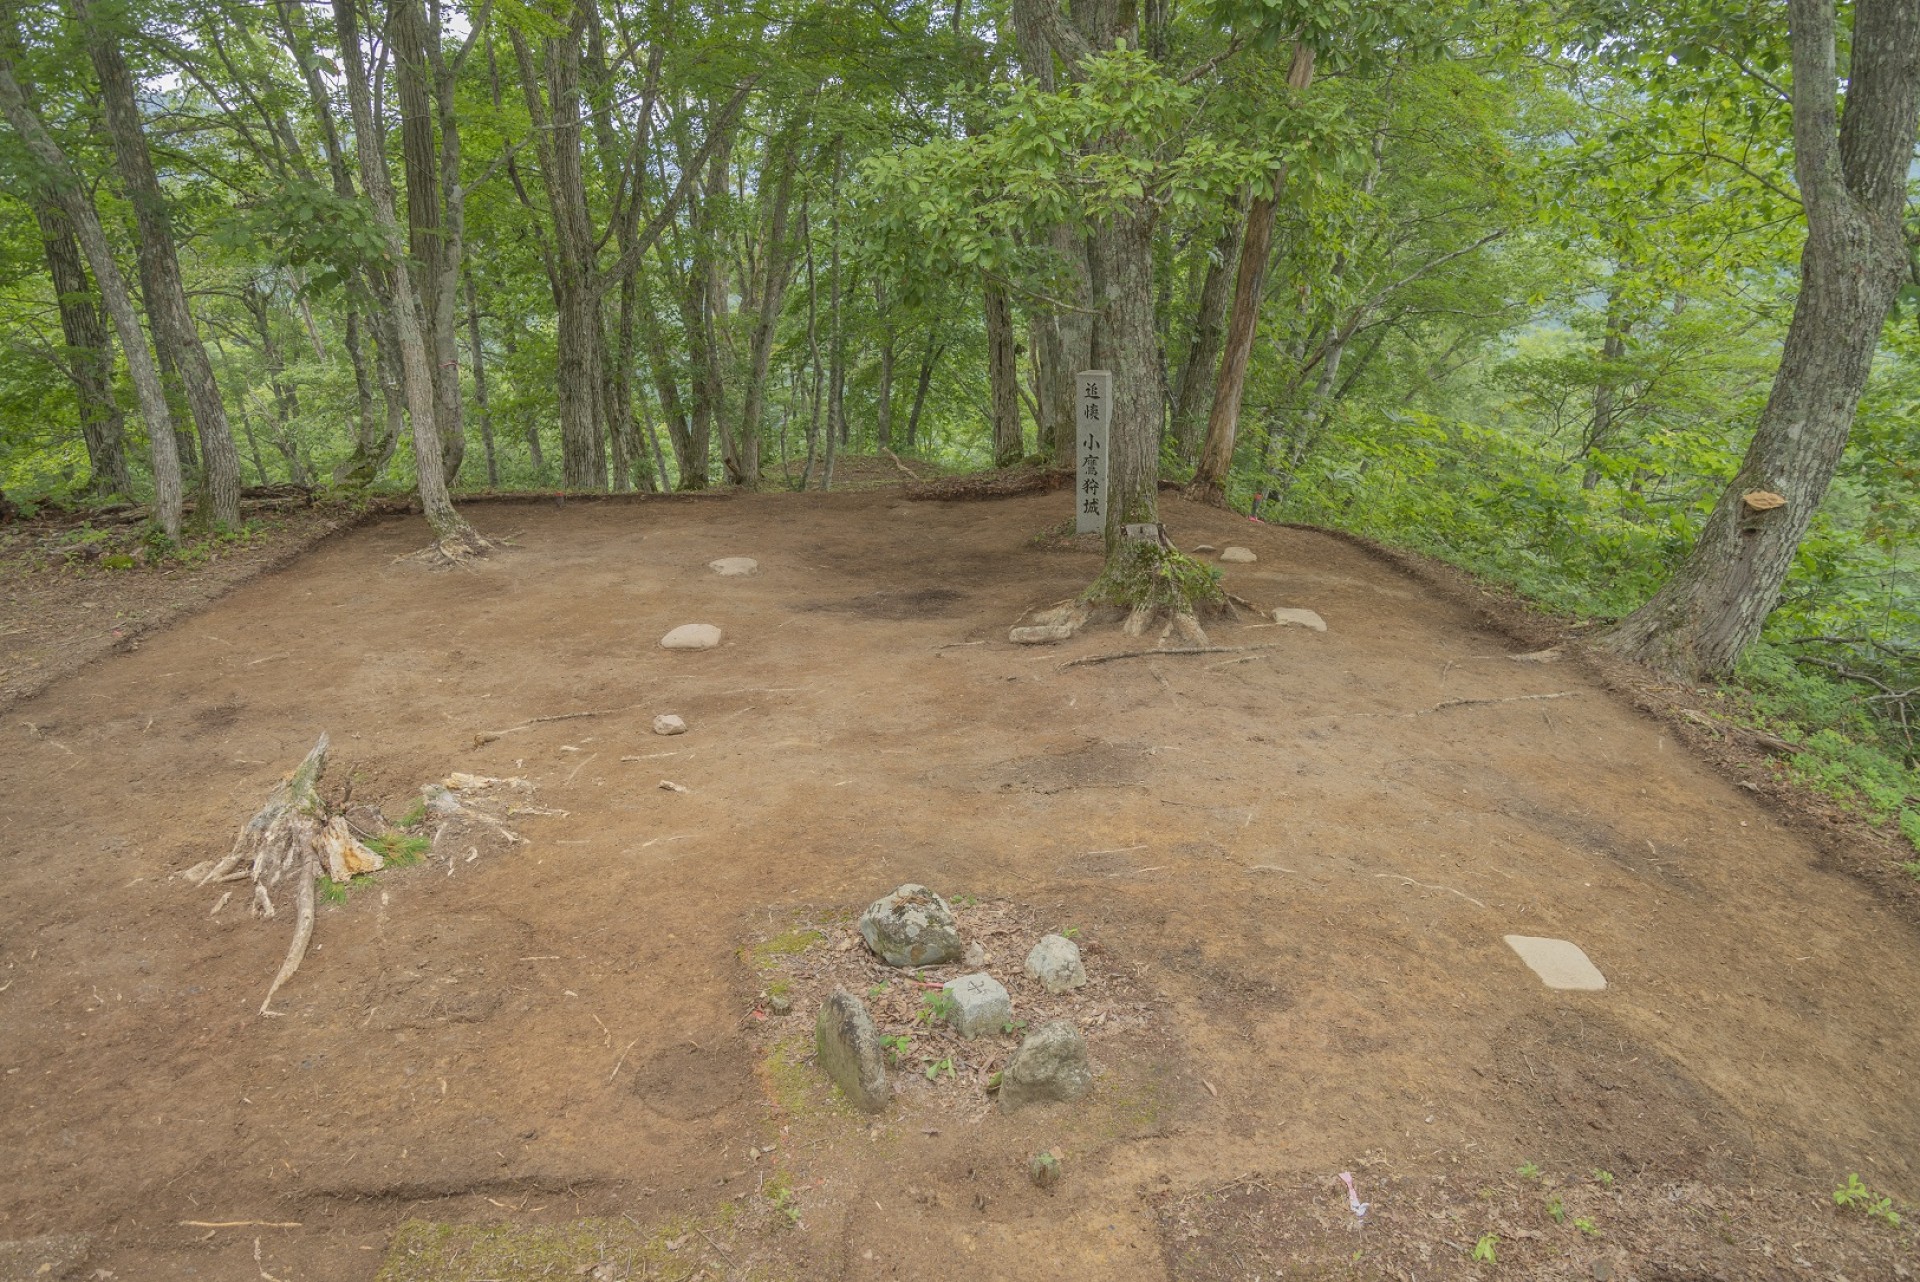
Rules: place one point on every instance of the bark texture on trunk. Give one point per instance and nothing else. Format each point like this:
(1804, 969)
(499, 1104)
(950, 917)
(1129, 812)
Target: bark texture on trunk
(452, 534)
(160, 267)
(374, 440)
(774, 272)
(1003, 376)
(583, 460)
(1853, 185)
(89, 356)
(477, 354)
(1193, 384)
(1209, 484)
(66, 188)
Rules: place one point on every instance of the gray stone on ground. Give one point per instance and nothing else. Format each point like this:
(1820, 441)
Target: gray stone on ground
(38, 1259)
(1041, 634)
(981, 1006)
(1198, 548)
(668, 723)
(976, 958)
(729, 566)
(1044, 1169)
(847, 1046)
(911, 927)
(1055, 962)
(1050, 1065)
(1239, 556)
(1300, 619)
(692, 636)
(1559, 963)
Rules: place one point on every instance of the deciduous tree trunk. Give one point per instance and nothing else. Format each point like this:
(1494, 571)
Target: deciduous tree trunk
(583, 461)
(1853, 185)
(478, 355)
(89, 358)
(1003, 375)
(775, 273)
(1193, 384)
(66, 188)
(451, 531)
(929, 357)
(160, 263)
(1209, 484)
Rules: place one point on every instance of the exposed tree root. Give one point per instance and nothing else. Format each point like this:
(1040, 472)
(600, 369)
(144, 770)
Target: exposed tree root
(294, 835)
(455, 548)
(1165, 652)
(911, 475)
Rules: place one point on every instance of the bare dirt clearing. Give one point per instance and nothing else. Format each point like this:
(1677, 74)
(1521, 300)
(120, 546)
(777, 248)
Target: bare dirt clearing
(1304, 857)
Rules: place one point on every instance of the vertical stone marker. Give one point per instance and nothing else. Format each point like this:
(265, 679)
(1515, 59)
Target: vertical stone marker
(1096, 411)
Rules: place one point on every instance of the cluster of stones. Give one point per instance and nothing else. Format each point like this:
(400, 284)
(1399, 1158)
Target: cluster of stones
(915, 927)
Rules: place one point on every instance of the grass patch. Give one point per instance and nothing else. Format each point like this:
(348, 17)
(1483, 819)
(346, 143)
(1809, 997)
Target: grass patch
(766, 954)
(399, 849)
(437, 1251)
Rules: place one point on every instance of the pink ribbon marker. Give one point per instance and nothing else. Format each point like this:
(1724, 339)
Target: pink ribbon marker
(1354, 1203)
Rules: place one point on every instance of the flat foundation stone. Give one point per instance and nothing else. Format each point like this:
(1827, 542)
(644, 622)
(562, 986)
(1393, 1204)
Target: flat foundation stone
(847, 1046)
(1238, 556)
(981, 1006)
(1299, 619)
(1041, 634)
(1559, 963)
(692, 636)
(729, 566)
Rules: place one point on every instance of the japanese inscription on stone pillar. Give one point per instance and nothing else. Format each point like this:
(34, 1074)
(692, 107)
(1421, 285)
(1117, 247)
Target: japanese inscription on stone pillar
(1096, 410)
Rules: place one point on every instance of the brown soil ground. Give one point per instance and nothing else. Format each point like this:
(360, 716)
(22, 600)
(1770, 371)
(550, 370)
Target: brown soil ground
(1291, 869)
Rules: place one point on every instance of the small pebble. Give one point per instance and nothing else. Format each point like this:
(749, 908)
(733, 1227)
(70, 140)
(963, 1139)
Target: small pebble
(780, 1004)
(667, 723)
(1044, 1169)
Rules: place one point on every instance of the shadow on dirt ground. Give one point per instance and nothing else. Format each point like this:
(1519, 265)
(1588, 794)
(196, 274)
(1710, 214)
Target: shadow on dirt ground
(1290, 867)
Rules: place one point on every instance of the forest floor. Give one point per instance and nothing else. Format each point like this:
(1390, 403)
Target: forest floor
(1290, 868)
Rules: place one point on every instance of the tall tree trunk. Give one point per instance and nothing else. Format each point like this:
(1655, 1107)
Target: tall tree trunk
(1193, 384)
(666, 384)
(1122, 254)
(1613, 347)
(836, 333)
(1063, 335)
(576, 311)
(451, 531)
(1209, 482)
(167, 298)
(374, 442)
(89, 360)
(1003, 376)
(441, 304)
(478, 355)
(928, 358)
(66, 188)
(883, 399)
(775, 272)
(510, 341)
(1853, 186)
